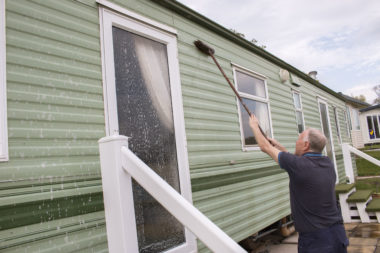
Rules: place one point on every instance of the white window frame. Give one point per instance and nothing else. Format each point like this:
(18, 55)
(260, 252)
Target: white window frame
(347, 123)
(254, 74)
(151, 29)
(4, 156)
(294, 91)
(336, 116)
(322, 100)
(373, 123)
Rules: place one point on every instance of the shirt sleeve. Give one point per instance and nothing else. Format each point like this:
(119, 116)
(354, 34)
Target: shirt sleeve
(287, 161)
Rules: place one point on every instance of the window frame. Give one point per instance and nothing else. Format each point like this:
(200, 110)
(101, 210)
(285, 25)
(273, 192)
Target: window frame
(377, 116)
(337, 124)
(322, 100)
(235, 68)
(345, 115)
(294, 91)
(4, 155)
(356, 119)
(111, 15)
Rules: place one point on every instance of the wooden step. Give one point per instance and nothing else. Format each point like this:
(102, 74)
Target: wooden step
(343, 188)
(343, 191)
(359, 196)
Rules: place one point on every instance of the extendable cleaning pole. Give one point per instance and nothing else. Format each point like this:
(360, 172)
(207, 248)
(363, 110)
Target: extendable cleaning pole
(206, 49)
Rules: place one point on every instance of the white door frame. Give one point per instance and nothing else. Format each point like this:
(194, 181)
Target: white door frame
(324, 101)
(140, 25)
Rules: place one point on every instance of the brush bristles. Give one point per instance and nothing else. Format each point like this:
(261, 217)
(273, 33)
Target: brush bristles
(204, 47)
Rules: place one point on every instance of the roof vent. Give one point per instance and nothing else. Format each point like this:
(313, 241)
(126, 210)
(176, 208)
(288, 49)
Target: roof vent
(313, 74)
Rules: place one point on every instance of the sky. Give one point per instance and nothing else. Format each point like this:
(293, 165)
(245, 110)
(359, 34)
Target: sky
(340, 39)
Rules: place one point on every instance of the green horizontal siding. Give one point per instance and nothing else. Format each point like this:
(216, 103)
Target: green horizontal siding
(50, 191)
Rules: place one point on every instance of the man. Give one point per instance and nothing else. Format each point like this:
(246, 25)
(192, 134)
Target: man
(312, 191)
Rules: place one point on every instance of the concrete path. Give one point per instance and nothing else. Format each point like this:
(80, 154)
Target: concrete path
(364, 238)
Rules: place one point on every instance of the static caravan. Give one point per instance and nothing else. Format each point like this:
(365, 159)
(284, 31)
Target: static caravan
(369, 122)
(75, 71)
(353, 108)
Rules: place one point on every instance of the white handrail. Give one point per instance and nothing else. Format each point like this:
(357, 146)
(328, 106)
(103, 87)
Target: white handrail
(118, 166)
(211, 235)
(347, 150)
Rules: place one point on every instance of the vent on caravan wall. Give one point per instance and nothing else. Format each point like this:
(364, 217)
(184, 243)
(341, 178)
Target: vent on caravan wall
(313, 74)
(284, 75)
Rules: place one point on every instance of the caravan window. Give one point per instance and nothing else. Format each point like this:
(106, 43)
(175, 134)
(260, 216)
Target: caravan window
(355, 119)
(373, 126)
(299, 113)
(3, 90)
(346, 120)
(253, 90)
(337, 126)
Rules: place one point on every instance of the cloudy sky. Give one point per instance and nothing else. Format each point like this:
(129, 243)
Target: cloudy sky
(338, 38)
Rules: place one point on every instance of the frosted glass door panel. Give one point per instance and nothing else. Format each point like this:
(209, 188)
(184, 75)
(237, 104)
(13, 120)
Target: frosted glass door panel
(145, 115)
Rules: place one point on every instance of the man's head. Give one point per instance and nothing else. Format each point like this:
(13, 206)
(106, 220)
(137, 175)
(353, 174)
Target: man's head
(310, 140)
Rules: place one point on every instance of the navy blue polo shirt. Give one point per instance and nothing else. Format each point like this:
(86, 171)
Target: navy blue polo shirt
(312, 190)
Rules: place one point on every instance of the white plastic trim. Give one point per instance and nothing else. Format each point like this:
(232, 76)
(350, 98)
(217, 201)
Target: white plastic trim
(344, 206)
(136, 16)
(3, 88)
(211, 235)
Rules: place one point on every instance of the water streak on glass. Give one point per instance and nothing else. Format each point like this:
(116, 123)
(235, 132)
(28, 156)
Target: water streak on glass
(145, 115)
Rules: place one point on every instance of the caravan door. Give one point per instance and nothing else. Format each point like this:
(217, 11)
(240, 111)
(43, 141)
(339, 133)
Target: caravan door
(143, 101)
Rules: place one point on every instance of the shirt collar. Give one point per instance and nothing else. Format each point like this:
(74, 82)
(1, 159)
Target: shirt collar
(312, 154)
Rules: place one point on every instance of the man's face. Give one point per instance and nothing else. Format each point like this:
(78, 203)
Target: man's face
(301, 145)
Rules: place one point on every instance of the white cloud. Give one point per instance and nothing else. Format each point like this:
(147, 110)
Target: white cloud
(324, 35)
(362, 89)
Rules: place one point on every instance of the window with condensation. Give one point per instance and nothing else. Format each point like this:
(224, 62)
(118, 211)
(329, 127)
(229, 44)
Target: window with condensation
(3, 89)
(337, 126)
(299, 113)
(252, 88)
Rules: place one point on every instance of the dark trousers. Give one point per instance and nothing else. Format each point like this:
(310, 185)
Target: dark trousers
(327, 240)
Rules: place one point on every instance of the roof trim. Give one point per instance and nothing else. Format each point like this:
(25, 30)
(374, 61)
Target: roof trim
(370, 108)
(222, 31)
(354, 101)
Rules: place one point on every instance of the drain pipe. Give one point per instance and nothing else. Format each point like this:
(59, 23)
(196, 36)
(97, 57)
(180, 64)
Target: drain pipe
(286, 230)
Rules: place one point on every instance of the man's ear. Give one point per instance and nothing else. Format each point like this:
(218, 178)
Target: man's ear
(306, 145)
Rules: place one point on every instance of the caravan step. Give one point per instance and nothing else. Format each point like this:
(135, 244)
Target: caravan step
(343, 191)
(343, 188)
(360, 198)
(373, 209)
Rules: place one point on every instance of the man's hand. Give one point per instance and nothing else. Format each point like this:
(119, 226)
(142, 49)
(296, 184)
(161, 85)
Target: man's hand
(276, 144)
(253, 121)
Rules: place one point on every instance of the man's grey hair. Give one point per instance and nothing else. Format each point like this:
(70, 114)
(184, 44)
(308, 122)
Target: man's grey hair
(316, 139)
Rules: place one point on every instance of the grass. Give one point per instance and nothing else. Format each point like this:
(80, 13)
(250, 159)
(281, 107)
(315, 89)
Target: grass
(372, 146)
(368, 184)
(366, 168)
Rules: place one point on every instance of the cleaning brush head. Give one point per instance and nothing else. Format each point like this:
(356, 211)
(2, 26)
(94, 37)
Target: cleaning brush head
(206, 49)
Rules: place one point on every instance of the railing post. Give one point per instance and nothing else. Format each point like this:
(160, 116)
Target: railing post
(118, 197)
(348, 163)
